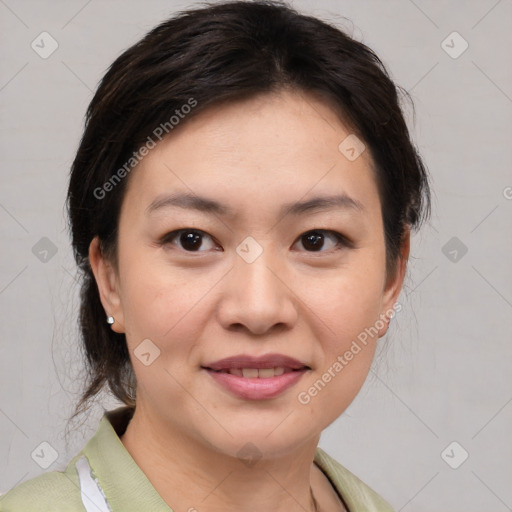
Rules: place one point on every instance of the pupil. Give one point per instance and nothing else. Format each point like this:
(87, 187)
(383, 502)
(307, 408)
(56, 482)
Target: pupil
(315, 240)
(190, 240)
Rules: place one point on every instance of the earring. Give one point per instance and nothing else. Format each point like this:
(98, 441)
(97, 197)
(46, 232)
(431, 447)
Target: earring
(110, 320)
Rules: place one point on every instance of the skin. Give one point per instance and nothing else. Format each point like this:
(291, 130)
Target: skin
(201, 306)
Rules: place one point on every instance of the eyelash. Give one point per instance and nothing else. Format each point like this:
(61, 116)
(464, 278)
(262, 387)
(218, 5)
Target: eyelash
(342, 241)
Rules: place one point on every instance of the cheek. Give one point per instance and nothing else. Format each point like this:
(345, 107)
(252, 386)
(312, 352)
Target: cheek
(351, 315)
(160, 303)
(347, 307)
(348, 299)
(166, 308)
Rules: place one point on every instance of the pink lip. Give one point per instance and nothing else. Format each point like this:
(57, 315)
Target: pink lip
(256, 388)
(266, 361)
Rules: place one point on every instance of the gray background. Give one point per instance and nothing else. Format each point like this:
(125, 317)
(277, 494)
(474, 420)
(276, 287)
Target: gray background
(445, 373)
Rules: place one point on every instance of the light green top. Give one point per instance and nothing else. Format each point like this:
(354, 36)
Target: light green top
(119, 485)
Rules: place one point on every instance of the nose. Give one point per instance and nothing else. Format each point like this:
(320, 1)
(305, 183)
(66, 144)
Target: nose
(257, 297)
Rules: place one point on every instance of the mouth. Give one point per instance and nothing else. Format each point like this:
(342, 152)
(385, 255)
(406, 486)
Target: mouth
(257, 378)
(262, 367)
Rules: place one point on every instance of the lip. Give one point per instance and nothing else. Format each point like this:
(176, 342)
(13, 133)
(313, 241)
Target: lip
(256, 388)
(266, 361)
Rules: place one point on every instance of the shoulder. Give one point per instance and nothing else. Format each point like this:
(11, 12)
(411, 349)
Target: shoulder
(65, 491)
(54, 491)
(358, 496)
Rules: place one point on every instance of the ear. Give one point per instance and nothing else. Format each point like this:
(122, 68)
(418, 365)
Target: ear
(394, 282)
(108, 285)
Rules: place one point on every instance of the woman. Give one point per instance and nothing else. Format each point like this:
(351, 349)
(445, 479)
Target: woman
(240, 206)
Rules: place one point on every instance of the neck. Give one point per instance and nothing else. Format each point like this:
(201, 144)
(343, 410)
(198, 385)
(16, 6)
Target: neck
(189, 474)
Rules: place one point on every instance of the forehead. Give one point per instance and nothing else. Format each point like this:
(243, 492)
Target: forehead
(259, 153)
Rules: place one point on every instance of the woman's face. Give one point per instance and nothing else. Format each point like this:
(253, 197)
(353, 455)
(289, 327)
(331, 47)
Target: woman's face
(255, 281)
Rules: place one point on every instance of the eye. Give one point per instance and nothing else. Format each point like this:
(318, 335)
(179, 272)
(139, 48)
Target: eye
(314, 240)
(190, 239)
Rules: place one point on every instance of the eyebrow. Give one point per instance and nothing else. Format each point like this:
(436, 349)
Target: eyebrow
(207, 205)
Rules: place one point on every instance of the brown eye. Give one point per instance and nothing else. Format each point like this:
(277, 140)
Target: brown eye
(314, 241)
(191, 240)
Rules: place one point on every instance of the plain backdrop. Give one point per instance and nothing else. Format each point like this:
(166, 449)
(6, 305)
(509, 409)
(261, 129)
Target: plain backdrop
(430, 430)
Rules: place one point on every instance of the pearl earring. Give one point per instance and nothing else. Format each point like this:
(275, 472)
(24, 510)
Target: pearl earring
(110, 320)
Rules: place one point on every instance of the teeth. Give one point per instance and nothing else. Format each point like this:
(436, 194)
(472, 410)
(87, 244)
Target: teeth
(257, 373)
(262, 373)
(265, 373)
(250, 373)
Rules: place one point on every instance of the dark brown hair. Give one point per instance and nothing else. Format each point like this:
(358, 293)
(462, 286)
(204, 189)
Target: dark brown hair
(225, 52)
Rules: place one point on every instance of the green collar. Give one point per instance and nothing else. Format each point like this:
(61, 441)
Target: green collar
(127, 488)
